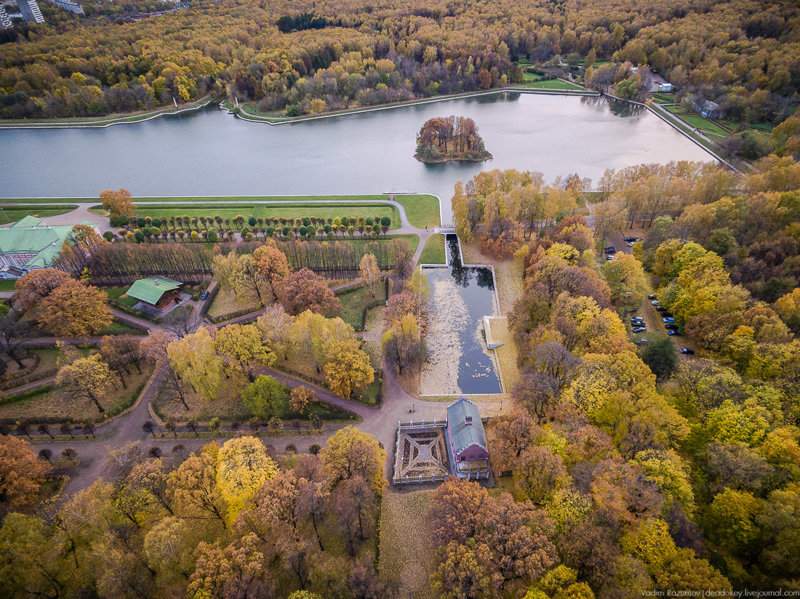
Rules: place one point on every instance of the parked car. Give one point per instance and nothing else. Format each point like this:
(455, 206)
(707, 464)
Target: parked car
(672, 333)
(686, 351)
(630, 239)
(4, 276)
(610, 249)
(651, 296)
(661, 309)
(204, 296)
(640, 330)
(640, 341)
(671, 327)
(656, 303)
(610, 257)
(668, 320)
(638, 322)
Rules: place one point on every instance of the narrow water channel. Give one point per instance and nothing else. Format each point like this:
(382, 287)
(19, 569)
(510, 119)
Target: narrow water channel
(460, 296)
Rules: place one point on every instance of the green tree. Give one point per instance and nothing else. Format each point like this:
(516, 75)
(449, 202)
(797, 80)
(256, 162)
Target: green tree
(660, 355)
(266, 398)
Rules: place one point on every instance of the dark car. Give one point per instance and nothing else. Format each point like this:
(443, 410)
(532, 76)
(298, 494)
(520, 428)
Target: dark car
(666, 314)
(686, 351)
(651, 297)
(630, 239)
(671, 333)
(671, 327)
(610, 249)
(661, 309)
(204, 296)
(668, 320)
(640, 330)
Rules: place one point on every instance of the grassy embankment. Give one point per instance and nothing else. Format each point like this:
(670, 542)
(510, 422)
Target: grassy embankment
(104, 121)
(687, 121)
(434, 250)
(421, 209)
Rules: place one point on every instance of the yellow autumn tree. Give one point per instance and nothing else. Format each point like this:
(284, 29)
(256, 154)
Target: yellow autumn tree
(242, 467)
(242, 347)
(313, 336)
(86, 378)
(349, 453)
(196, 361)
(348, 369)
(118, 203)
(370, 273)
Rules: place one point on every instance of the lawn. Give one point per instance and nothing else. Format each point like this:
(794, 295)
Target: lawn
(225, 303)
(12, 214)
(506, 353)
(115, 294)
(59, 406)
(412, 238)
(552, 84)
(407, 550)
(664, 97)
(354, 301)
(229, 407)
(295, 210)
(120, 328)
(527, 77)
(434, 250)
(705, 125)
(45, 367)
(421, 210)
(6, 285)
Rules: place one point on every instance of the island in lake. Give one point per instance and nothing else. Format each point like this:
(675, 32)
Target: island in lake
(443, 139)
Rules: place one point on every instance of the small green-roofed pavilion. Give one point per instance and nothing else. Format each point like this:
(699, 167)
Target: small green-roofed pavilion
(152, 289)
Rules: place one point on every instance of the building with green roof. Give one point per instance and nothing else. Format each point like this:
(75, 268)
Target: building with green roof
(466, 439)
(155, 292)
(31, 243)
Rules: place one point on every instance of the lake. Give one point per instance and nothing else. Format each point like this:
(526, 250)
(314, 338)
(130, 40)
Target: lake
(209, 152)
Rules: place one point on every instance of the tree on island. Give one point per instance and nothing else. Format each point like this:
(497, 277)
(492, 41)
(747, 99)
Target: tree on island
(442, 139)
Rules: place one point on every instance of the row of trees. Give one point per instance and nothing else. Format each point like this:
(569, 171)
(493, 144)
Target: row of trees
(200, 223)
(118, 264)
(227, 521)
(493, 200)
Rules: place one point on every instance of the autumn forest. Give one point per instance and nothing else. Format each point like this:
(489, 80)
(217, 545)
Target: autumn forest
(311, 57)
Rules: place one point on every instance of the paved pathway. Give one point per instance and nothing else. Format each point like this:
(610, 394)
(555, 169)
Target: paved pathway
(381, 422)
